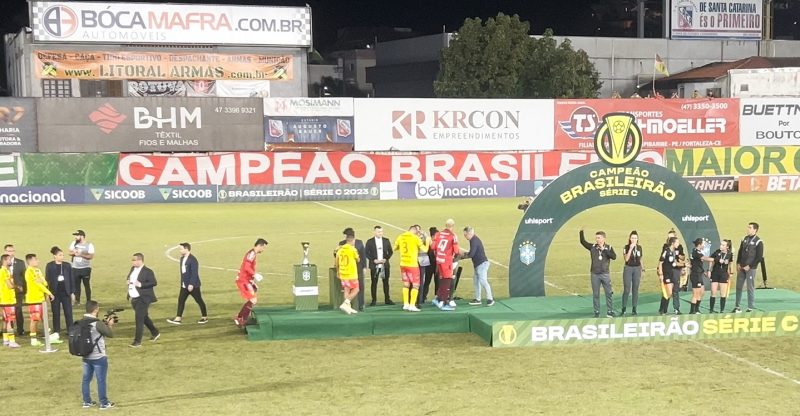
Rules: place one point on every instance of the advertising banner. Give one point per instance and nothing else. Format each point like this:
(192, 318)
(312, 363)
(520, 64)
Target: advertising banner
(47, 195)
(455, 190)
(172, 88)
(770, 121)
(664, 123)
(412, 124)
(735, 161)
(94, 65)
(695, 19)
(56, 169)
(243, 88)
(714, 184)
(299, 192)
(151, 124)
(769, 183)
(296, 123)
(149, 194)
(9, 170)
(347, 167)
(653, 328)
(162, 23)
(17, 125)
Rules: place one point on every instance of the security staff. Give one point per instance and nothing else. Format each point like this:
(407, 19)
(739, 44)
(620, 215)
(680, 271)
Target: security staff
(751, 252)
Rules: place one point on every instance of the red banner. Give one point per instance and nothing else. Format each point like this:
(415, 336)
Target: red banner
(348, 167)
(665, 123)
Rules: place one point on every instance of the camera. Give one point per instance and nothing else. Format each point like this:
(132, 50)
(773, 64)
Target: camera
(525, 204)
(111, 315)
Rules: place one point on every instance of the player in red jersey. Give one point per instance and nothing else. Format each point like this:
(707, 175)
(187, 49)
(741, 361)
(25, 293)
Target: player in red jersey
(246, 281)
(445, 246)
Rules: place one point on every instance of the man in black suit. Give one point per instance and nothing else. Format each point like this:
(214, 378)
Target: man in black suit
(17, 271)
(362, 263)
(141, 281)
(378, 251)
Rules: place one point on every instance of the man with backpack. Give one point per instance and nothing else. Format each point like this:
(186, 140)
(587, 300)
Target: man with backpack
(87, 340)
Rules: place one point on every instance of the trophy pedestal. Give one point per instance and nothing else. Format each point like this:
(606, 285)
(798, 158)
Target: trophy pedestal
(306, 287)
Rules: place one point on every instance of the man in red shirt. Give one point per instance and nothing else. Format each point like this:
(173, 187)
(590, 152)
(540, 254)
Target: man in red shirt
(246, 281)
(445, 246)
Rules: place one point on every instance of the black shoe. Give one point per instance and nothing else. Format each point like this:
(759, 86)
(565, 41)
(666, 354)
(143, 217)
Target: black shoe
(748, 310)
(712, 311)
(736, 310)
(634, 312)
(361, 309)
(677, 312)
(597, 314)
(372, 303)
(622, 312)
(388, 302)
(136, 345)
(610, 314)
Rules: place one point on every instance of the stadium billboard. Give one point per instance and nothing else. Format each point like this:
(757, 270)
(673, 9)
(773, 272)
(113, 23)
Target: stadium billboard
(45, 195)
(299, 192)
(734, 161)
(770, 121)
(164, 66)
(670, 123)
(163, 23)
(150, 124)
(297, 121)
(17, 125)
(149, 194)
(769, 183)
(413, 124)
(456, 190)
(278, 168)
(739, 20)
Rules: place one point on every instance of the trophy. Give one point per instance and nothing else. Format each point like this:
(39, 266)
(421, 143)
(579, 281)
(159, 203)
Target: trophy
(305, 245)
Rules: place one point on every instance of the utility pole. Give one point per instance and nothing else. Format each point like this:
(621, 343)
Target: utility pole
(640, 9)
(768, 13)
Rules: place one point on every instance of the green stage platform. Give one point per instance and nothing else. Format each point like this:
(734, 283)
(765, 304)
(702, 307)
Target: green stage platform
(284, 323)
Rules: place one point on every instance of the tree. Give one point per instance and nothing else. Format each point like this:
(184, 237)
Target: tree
(500, 60)
(485, 61)
(559, 71)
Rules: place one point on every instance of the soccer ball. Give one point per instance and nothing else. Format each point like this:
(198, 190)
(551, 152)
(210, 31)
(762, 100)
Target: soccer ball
(258, 277)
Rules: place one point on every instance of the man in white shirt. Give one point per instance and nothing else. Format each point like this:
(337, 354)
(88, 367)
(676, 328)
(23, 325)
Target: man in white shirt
(141, 281)
(82, 253)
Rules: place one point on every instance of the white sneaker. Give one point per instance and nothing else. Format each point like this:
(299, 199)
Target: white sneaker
(353, 310)
(452, 304)
(344, 308)
(54, 336)
(405, 307)
(412, 308)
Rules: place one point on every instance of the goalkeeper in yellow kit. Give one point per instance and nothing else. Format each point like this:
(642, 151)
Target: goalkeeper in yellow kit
(37, 289)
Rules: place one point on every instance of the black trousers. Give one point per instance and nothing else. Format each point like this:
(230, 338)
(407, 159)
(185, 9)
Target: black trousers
(431, 275)
(196, 295)
(20, 317)
(78, 276)
(142, 317)
(374, 286)
(61, 301)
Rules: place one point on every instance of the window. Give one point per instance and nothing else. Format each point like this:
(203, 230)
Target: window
(101, 88)
(56, 88)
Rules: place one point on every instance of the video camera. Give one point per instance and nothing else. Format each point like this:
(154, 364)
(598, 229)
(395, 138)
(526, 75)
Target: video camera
(111, 315)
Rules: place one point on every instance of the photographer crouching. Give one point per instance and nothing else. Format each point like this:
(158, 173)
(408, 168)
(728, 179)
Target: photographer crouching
(525, 204)
(95, 362)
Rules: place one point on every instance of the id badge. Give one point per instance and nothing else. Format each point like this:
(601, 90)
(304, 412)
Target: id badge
(61, 278)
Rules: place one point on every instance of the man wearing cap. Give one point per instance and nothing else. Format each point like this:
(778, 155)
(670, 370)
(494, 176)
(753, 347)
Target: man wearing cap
(82, 253)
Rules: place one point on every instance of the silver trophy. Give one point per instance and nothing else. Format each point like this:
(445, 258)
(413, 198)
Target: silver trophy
(305, 245)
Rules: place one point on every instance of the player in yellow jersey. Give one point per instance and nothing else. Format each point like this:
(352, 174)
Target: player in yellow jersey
(8, 300)
(347, 267)
(410, 244)
(37, 289)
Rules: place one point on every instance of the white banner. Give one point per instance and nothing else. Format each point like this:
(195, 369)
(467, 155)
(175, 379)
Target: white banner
(110, 22)
(228, 88)
(769, 121)
(307, 107)
(694, 19)
(411, 124)
(765, 82)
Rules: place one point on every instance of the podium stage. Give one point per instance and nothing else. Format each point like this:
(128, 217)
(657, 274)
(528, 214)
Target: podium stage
(285, 323)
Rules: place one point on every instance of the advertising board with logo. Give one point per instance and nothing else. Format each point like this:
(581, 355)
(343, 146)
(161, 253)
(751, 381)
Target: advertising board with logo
(411, 124)
(94, 65)
(150, 124)
(343, 167)
(300, 192)
(10, 169)
(770, 121)
(45, 195)
(769, 183)
(714, 184)
(308, 120)
(17, 125)
(695, 19)
(149, 194)
(735, 161)
(136, 23)
(664, 123)
(455, 190)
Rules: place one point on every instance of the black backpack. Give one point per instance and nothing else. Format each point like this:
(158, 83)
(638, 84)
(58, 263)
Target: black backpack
(80, 338)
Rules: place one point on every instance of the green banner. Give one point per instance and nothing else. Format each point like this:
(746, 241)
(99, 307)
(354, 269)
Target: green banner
(59, 169)
(651, 328)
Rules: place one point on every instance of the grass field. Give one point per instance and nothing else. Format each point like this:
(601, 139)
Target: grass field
(211, 369)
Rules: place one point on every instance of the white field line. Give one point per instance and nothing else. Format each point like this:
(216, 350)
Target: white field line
(750, 363)
(402, 229)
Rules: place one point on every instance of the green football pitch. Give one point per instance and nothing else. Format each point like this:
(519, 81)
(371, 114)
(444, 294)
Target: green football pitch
(211, 369)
